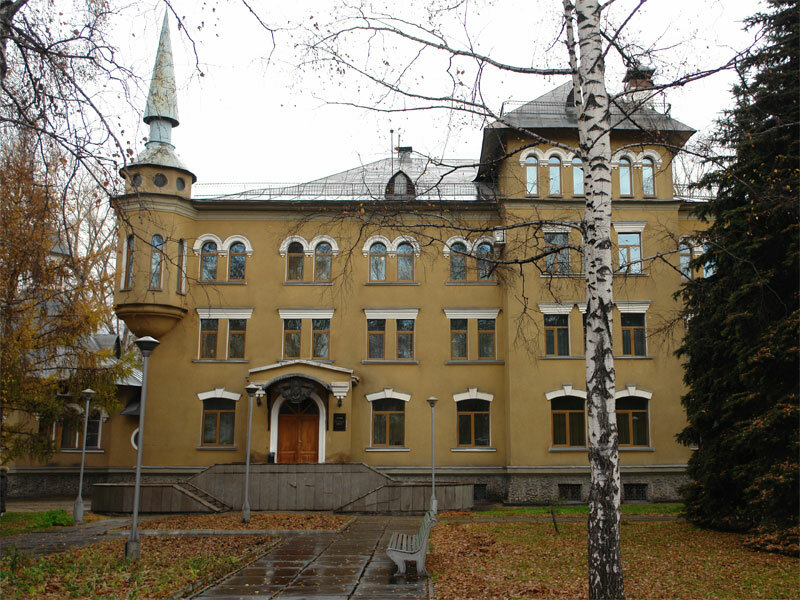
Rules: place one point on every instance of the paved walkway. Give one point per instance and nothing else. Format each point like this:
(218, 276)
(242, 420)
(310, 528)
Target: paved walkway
(62, 538)
(350, 565)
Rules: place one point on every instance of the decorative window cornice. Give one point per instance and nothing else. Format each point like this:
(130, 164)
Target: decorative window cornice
(324, 238)
(566, 390)
(219, 393)
(633, 307)
(391, 313)
(471, 313)
(376, 238)
(224, 312)
(306, 313)
(232, 239)
(208, 237)
(388, 393)
(632, 391)
(473, 394)
(629, 226)
(556, 308)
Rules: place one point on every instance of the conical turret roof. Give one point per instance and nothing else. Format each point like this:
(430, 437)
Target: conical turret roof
(162, 100)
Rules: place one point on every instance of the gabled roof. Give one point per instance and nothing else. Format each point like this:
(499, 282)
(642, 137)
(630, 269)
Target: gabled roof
(556, 109)
(434, 180)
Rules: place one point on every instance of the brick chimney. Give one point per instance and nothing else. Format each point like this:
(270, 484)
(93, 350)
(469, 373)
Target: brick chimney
(638, 82)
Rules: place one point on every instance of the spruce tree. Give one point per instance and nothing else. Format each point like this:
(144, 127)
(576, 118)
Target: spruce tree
(741, 348)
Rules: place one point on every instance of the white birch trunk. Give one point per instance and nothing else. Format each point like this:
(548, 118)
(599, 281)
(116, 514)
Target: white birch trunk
(605, 561)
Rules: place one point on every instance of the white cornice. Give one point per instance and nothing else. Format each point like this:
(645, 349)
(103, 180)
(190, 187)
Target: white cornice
(473, 394)
(224, 312)
(219, 393)
(471, 313)
(556, 308)
(632, 307)
(566, 390)
(391, 313)
(306, 313)
(388, 393)
(629, 226)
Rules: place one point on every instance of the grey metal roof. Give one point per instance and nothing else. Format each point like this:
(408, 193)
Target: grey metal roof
(162, 99)
(434, 180)
(555, 110)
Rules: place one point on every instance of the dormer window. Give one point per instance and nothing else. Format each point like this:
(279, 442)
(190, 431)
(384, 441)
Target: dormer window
(400, 187)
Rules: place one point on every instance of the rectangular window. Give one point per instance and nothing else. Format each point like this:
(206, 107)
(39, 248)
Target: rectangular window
(632, 422)
(633, 334)
(569, 492)
(473, 423)
(486, 348)
(69, 436)
(236, 337)
(388, 422)
(181, 271)
(630, 252)
(320, 338)
(634, 492)
(458, 339)
(558, 259)
(405, 339)
(93, 431)
(376, 329)
(218, 422)
(556, 335)
(291, 338)
(569, 422)
(208, 338)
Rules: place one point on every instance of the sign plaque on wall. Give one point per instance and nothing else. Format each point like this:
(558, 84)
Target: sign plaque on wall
(339, 421)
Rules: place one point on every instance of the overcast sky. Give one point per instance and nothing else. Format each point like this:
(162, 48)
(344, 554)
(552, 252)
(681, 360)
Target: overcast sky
(249, 120)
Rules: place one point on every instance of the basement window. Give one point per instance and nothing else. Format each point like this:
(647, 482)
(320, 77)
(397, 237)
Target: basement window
(634, 492)
(569, 492)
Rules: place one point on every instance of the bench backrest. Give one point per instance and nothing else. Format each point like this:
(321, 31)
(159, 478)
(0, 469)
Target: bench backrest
(428, 521)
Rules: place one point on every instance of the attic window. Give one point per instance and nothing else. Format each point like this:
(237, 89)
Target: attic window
(400, 187)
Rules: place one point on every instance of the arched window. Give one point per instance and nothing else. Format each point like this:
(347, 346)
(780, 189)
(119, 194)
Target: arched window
(128, 284)
(405, 262)
(577, 177)
(624, 177)
(685, 254)
(554, 169)
(181, 278)
(569, 421)
(208, 261)
(388, 422)
(377, 262)
(485, 265)
(400, 187)
(632, 421)
(458, 261)
(218, 421)
(237, 255)
(156, 254)
(531, 176)
(648, 178)
(323, 255)
(294, 262)
(473, 423)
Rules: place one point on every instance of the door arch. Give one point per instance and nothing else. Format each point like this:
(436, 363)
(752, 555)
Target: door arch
(274, 420)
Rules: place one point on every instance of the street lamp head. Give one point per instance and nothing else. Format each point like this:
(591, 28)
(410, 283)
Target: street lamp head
(88, 393)
(251, 389)
(146, 345)
(432, 401)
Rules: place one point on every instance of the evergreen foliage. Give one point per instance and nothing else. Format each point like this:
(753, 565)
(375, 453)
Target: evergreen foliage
(741, 348)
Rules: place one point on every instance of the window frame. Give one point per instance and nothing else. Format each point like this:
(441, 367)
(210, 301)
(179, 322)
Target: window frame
(293, 257)
(180, 284)
(554, 167)
(387, 415)
(485, 265)
(627, 264)
(531, 165)
(130, 248)
(569, 414)
(376, 332)
(627, 415)
(631, 330)
(552, 329)
(213, 257)
(625, 165)
(685, 255)
(405, 256)
(207, 333)
(458, 254)
(380, 257)
(237, 331)
(577, 167)
(237, 254)
(218, 412)
(156, 270)
(406, 333)
(483, 332)
(315, 332)
(471, 414)
(323, 256)
(454, 332)
(287, 332)
(557, 263)
(648, 163)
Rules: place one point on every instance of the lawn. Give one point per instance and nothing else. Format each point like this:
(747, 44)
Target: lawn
(666, 508)
(166, 566)
(233, 520)
(661, 560)
(12, 523)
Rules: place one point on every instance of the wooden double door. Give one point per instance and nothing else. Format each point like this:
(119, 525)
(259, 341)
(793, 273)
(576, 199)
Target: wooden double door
(298, 432)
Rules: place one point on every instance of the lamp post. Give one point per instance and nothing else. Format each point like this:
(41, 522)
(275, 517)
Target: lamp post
(252, 389)
(77, 508)
(434, 505)
(133, 546)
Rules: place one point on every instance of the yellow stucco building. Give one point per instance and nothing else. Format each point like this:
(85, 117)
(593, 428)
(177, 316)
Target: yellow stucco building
(352, 299)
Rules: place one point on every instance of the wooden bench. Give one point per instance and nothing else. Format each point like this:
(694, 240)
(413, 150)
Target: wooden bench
(403, 547)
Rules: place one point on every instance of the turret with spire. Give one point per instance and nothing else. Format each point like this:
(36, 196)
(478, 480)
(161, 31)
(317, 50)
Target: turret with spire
(161, 114)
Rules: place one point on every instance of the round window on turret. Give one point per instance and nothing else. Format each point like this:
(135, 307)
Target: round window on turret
(136, 180)
(180, 183)
(160, 180)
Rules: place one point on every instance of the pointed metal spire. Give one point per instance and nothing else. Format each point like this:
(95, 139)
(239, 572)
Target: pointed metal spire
(162, 101)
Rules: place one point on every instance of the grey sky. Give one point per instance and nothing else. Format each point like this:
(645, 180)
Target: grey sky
(246, 120)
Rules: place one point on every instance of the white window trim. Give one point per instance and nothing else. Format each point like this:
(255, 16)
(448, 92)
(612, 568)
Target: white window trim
(620, 154)
(473, 394)
(219, 393)
(284, 247)
(406, 238)
(453, 240)
(555, 308)
(556, 229)
(224, 312)
(391, 313)
(471, 313)
(558, 153)
(523, 156)
(324, 238)
(633, 307)
(133, 436)
(208, 237)
(565, 391)
(306, 313)
(487, 239)
(377, 238)
(652, 155)
(182, 271)
(630, 227)
(230, 240)
(388, 393)
(124, 279)
(631, 391)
